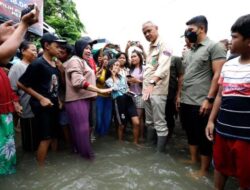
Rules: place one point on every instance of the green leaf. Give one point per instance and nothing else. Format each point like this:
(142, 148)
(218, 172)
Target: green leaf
(64, 18)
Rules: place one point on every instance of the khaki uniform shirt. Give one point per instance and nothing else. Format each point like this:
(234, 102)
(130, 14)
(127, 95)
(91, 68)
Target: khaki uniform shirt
(158, 64)
(198, 73)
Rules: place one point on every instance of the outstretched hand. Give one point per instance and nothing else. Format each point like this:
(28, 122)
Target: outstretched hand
(105, 91)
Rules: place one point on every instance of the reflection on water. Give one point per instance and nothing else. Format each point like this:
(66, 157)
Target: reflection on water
(117, 166)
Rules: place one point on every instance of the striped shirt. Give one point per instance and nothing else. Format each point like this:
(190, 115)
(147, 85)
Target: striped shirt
(234, 115)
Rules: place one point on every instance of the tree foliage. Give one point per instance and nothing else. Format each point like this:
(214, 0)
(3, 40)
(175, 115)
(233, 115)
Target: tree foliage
(64, 18)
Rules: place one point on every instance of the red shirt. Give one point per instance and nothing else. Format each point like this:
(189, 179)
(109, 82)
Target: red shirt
(7, 95)
(92, 64)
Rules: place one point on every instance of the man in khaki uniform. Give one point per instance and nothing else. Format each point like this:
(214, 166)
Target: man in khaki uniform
(155, 85)
(200, 84)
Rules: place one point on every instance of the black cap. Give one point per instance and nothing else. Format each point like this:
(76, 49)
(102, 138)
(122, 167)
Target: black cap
(82, 43)
(48, 37)
(88, 40)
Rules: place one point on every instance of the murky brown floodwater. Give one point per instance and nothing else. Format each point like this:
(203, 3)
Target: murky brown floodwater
(116, 167)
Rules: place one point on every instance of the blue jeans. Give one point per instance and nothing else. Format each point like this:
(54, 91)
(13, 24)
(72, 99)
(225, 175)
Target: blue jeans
(103, 114)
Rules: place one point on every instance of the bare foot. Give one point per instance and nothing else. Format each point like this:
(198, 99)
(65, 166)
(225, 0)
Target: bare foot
(142, 140)
(121, 141)
(198, 174)
(41, 164)
(138, 145)
(190, 162)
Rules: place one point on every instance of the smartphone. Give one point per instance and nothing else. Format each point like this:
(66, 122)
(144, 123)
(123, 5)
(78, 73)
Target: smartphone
(129, 76)
(27, 10)
(134, 43)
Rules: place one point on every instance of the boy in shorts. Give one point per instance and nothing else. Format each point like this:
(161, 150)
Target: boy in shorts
(231, 112)
(42, 80)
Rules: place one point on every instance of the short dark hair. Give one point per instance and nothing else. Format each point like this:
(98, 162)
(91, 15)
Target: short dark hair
(199, 21)
(24, 46)
(68, 48)
(242, 26)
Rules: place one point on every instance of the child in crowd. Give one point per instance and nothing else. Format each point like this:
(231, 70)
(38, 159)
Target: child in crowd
(103, 101)
(124, 107)
(231, 112)
(124, 64)
(42, 81)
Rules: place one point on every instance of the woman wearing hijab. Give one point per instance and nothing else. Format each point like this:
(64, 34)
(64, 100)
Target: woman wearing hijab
(80, 89)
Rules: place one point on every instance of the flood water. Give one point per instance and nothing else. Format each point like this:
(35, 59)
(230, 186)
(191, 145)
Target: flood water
(117, 166)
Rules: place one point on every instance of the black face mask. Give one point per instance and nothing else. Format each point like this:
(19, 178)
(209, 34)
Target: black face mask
(192, 37)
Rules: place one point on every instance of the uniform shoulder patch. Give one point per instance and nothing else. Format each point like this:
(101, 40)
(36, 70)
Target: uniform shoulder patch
(167, 53)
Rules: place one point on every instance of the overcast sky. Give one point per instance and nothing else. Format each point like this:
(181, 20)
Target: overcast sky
(121, 20)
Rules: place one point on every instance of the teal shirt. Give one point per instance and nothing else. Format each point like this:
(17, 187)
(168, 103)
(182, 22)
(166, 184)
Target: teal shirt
(198, 73)
(120, 87)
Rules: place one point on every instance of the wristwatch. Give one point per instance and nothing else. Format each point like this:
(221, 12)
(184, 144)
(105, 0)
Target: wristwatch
(152, 82)
(210, 99)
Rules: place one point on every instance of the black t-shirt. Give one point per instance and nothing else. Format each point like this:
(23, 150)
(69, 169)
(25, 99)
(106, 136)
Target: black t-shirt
(43, 78)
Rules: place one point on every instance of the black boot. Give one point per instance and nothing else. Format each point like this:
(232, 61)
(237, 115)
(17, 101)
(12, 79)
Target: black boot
(161, 144)
(151, 133)
(170, 134)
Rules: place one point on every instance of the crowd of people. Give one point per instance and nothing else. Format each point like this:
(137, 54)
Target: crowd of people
(74, 91)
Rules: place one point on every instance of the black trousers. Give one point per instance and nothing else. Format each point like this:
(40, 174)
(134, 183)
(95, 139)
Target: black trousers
(29, 133)
(194, 125)
(170, 112)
